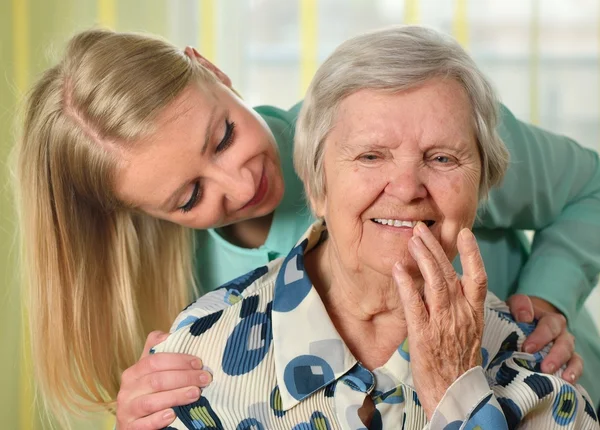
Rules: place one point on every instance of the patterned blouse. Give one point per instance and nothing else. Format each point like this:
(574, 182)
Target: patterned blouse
(279, 363)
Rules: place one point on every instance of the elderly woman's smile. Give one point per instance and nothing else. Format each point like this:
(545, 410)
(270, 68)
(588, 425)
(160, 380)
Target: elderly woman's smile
(393, 159)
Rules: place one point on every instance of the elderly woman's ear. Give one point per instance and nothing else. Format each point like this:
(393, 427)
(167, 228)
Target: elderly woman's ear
(317, 204)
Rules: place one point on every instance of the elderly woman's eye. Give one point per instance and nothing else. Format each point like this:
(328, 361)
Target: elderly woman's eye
(369, 157)
(442, 159)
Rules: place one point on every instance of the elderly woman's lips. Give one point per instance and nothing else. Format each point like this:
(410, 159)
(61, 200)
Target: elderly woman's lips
(402, 223)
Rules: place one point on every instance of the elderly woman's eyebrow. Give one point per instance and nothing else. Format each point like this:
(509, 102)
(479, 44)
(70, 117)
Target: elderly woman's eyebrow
(357, 145)
(362, 144)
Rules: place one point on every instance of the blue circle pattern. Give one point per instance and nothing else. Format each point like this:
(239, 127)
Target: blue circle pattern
(202, 325)
(306, 374)
(508, 346)
(186, 321)
(276, 402)
(250, 424)
(486, 418)
(242, 282)
(330, 389)
(589, 409)
(232, 296)
(506, 375)
(485, 356)
(395, 396)
(292, 284)
(239, 357)
(318, 421)
(539, 384)
(565, 406)
(359, 379)
(198, 415)
(403, 350)
(512, 412)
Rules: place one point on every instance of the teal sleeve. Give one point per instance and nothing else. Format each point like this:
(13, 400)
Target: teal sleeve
(552, 186)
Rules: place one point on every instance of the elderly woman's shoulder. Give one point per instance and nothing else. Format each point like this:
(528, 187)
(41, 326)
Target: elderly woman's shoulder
(256, 285)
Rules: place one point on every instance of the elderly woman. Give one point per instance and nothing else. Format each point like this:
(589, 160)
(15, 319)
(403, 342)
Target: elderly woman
(396, 145)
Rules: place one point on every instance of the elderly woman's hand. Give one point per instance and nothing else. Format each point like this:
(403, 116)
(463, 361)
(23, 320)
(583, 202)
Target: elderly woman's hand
(551, 327)
(445, 322)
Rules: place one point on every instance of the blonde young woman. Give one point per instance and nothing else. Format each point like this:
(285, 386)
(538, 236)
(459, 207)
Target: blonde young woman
(143, 177)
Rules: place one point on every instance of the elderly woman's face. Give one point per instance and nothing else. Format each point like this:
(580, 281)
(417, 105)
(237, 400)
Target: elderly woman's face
(392, 160)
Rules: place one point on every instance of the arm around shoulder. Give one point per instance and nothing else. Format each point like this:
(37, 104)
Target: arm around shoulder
(552, 186)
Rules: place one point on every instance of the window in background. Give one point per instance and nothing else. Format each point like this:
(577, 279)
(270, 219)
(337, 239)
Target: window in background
(542, 55)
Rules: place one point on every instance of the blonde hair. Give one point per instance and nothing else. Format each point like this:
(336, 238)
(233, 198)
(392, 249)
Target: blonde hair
(100, 275)
(394, 59)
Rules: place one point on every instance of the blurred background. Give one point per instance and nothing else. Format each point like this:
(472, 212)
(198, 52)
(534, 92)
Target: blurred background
(542, 55)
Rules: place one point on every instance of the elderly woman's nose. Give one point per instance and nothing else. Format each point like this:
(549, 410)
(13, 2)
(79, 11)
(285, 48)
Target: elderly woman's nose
(406, 183)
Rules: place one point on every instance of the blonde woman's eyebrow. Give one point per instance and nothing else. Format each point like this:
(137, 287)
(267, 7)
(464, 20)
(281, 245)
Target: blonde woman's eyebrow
(169, 204)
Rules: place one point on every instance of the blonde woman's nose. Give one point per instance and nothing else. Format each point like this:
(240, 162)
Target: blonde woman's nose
(238, 187)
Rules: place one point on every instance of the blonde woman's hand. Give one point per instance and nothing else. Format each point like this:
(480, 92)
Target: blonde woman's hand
(551, 327)
(445, 321)
(155, 384)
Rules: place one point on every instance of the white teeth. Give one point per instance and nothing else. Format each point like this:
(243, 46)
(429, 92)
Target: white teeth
(396, 223)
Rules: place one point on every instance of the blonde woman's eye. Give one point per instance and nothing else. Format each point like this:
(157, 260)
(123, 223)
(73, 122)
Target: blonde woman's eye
(189, 205)
(227, 137)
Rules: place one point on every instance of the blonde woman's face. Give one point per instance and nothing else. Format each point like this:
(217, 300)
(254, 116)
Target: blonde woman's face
(212, 161)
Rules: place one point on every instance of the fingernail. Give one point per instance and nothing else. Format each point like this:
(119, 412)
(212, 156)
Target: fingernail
(551, 368)
(193, 393)
(420, 227)
(524, 316)
(196, 364)
(530, 348)
(205, 378)
(572, 377)
(465, 234)
(168, 415)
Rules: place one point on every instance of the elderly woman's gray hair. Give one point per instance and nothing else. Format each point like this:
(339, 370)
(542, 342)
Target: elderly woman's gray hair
(392, 60)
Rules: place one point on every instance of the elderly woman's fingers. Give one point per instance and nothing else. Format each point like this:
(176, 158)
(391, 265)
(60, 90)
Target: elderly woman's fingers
(549, 327)
(436, 289)
(574, 369)
(521, 307)
(474, 280)
(438, 253)
(415, 311)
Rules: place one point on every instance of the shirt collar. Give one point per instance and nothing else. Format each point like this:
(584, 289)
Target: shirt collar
(309, 352)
